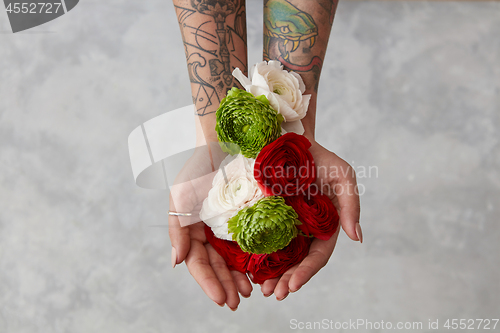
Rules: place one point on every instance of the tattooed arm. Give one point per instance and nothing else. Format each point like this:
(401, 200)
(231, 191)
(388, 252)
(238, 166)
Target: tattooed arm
(214, 36)
(296, 32)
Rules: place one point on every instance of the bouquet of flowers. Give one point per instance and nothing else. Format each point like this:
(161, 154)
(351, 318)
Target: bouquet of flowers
(264, 207)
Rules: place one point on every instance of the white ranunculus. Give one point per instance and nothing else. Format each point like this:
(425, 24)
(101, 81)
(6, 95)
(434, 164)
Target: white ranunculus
(282, 88)
(233, 188)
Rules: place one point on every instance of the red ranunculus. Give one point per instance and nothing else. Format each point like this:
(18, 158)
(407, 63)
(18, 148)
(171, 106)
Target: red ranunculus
(235, 258)
(285, 167)
(317, 213)
(270, 266)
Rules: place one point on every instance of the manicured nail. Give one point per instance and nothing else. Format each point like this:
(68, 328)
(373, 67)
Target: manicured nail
(174, 257)
(280, 299)
(359, 233)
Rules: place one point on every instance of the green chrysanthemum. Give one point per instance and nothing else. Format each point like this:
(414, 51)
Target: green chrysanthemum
(267, 226)
(246, 123)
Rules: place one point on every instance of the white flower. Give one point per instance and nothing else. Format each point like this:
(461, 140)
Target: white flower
(282, 88)
(233, 188)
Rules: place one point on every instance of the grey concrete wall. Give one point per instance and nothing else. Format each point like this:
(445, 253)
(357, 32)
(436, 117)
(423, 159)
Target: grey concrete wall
(412, 88)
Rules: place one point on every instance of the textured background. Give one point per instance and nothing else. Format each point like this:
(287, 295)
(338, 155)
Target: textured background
(412, 88)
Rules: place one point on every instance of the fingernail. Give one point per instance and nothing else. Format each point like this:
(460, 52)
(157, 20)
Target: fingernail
(359, 233)
(221, 305)
(280, 299)
(236, 308)
(293, 291)
(174, 257)
(268, 295)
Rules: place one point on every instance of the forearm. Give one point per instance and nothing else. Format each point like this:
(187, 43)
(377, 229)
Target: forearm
(214, 40)
(296, 32)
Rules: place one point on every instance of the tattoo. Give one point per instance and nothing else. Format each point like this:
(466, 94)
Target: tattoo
(286, 25)
(214, 42)
(315, 61)
(219, 12)
(290, 35)
(205, 94)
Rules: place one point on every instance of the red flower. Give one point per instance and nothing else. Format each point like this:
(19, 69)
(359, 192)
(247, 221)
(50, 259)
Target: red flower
(317, 213)
(235, 258)
(285, 167)
(269, 266)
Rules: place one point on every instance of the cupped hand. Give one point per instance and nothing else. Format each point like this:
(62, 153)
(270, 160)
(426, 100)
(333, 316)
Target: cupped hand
(188, 238)
(337, 180)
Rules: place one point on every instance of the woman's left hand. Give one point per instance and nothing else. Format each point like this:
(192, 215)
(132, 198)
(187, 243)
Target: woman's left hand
(337, 179)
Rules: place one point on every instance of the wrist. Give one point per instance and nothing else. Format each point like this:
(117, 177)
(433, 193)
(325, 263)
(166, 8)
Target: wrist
(205, 129)
(309, 121)
(309, 137)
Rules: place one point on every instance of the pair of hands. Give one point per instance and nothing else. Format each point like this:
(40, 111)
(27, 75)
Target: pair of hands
(335, 177)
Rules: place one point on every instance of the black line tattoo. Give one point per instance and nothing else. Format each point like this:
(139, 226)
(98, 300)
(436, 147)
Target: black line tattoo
(205, 44)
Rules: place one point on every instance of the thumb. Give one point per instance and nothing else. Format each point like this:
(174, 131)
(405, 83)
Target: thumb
(348, 198)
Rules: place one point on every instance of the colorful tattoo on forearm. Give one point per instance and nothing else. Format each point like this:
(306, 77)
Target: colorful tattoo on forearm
(291, 34)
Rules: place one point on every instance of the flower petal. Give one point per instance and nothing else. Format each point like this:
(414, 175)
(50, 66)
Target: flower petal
(293, 126)
(238, 74)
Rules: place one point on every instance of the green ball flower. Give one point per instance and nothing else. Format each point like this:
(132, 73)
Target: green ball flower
(267, 226)
(246, 123)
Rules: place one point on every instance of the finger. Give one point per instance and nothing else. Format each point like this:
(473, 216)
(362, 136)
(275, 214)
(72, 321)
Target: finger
(179, 237)
(242, 283)
(225, 277)
(348, 200)
(198, 264)
(319, 253)
(281, 291)
(268, 286)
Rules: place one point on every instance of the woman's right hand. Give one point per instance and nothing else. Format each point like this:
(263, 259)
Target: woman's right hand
(187, 234)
